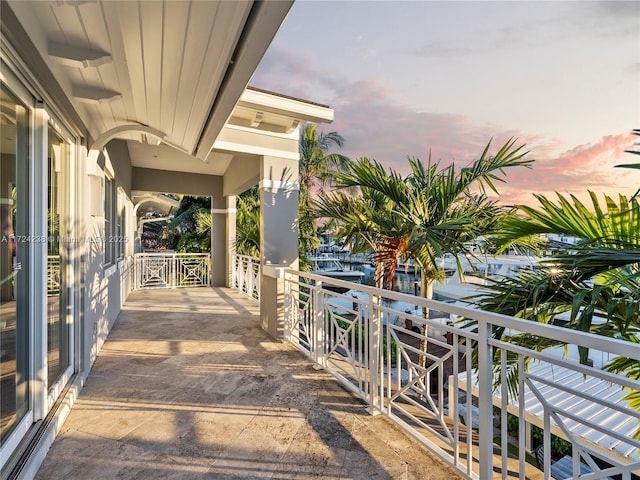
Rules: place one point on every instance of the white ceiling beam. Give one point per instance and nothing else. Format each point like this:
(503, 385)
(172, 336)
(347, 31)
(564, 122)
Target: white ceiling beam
(77, 56)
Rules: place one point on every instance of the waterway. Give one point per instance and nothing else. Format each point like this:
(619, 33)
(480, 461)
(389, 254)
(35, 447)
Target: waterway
(408, 283)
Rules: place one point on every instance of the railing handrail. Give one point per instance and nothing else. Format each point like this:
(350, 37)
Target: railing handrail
(327, 326)
(171, 270)
(597, 342)
(170, 254)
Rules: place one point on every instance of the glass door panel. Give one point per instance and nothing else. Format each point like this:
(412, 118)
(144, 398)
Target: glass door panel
(58, 323)
(14, 323)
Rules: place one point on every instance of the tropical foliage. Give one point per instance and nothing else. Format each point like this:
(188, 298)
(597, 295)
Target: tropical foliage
(597, 281)
(317, 168)
(636, 166)
(432, 211)
(248, 223)
(189, 231)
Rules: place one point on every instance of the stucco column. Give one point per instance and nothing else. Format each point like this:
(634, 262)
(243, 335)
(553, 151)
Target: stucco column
(278, 236)
(223, 239)
(219, 248)
(230, 236)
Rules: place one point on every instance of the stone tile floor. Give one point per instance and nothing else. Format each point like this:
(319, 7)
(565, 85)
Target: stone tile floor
(188, 386)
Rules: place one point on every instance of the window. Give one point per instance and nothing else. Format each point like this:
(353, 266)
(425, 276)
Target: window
(110, 221)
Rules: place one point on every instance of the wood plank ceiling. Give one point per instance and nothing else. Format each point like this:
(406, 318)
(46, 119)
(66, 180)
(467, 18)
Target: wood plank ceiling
(158, 65)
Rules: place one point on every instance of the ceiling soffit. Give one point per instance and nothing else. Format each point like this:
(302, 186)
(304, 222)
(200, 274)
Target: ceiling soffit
(175, 67)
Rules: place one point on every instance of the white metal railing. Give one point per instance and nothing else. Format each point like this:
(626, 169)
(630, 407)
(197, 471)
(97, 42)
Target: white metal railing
(457, 403)
(172, 270)
(53, 274)
(246, 275)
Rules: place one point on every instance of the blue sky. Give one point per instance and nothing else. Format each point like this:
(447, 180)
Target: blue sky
(406, 78)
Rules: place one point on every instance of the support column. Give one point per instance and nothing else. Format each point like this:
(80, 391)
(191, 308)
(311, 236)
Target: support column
(218, 241)
(230, 237)
(278, 236)
(223, 239)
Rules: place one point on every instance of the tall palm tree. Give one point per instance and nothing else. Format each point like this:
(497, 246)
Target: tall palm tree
(317, 167)
(364, 222)
(430, 212)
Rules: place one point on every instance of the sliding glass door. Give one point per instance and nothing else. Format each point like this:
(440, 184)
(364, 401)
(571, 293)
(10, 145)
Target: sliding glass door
(36, 312)
(59, 312)
(15, 335)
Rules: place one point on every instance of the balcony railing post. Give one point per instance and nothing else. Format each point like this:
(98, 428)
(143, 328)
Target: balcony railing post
(485, 400)
(319, 339)
(241, 275)
(374, 327)
(250, 277)
(234, 268)
(288, 311)
(173, 262)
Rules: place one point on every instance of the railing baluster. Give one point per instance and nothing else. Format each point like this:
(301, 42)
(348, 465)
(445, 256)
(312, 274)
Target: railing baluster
(470, 443)
(171, 270)
(485, 384)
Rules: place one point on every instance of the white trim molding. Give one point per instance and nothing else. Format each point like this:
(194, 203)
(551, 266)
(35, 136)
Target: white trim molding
(223, 210)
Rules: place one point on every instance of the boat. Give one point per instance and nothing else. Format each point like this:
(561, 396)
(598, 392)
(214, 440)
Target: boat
(477, 271)
(327, 265)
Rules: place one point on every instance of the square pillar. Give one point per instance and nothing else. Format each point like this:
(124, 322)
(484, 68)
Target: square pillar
(278, 236)
(223, 239)
(230, 237)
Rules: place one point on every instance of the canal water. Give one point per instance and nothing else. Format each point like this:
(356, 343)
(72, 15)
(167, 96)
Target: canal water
(408, 283)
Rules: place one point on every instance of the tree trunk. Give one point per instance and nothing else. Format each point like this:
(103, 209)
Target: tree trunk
(378, 275)
(426, 291)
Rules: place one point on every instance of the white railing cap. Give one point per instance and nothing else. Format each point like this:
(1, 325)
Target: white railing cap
(274, 271)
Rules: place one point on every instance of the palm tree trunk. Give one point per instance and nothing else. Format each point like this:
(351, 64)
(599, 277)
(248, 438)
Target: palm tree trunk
(378, 275)
(426, 291)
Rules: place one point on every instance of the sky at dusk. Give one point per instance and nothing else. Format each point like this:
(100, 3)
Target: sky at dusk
(406, 78)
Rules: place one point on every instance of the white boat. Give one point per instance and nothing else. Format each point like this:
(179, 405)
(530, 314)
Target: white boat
(329, 266)
(477, 271)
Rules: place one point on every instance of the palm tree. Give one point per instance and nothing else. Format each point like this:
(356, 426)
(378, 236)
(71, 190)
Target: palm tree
(316, 169)
(430, 212)
(591, 279)
(186, 231)
(364, 222)
(597, 281)
(248, 223)
(317, 166)
(635, 131)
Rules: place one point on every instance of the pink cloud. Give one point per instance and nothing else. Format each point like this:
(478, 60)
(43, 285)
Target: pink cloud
(377, 124)
(576, 170)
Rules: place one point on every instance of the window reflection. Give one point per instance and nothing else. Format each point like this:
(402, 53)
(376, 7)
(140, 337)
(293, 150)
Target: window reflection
(14, 334)
(57, 321)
